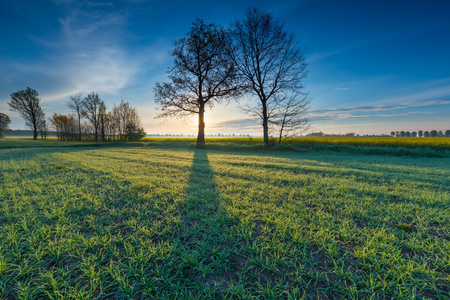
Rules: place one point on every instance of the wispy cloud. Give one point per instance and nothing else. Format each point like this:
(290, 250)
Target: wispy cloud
(89, 52)
(384, 107)
(237, 124)
(340, 116)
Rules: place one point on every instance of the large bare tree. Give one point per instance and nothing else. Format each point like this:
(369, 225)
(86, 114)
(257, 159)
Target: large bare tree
(268, 59)
(27, 104)
(202, 75)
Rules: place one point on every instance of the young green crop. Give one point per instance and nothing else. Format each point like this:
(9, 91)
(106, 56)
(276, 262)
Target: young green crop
(148, 220)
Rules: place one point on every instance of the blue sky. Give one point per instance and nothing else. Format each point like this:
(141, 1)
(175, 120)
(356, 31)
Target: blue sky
(374, 66)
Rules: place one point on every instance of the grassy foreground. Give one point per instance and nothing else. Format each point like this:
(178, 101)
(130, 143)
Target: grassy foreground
(150, 220)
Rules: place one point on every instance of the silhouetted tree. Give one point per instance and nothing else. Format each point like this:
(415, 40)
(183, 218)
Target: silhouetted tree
(433, 133)
(202, 75)
(420, 133)
(402, 133)
(392, 133)
(440, 133)
(268, 60)
(4, 123)
(408, 134)
(426, 134)
(27, 104)
(91, 107)
(414, 134)
(447, 133)
(76, 105)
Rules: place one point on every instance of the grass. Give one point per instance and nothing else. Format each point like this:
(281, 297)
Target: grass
(154, 220)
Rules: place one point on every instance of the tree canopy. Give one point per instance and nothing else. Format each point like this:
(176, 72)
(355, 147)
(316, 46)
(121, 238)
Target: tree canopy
(270, 64)
(27, 104)
(202, 76)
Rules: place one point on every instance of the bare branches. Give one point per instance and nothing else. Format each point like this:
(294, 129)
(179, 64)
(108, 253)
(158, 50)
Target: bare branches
(269, 63)
(91, 107)
(27, 104)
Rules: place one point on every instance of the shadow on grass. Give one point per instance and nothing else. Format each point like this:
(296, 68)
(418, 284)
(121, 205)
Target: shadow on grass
(203, 239)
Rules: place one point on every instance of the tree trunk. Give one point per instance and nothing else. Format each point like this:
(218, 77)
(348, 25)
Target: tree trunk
(265, 124)
(201, 125)
(79, 127)
(35, 132)
(103, 127)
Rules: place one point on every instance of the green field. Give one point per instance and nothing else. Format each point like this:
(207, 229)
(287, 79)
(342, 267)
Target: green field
(157, 219)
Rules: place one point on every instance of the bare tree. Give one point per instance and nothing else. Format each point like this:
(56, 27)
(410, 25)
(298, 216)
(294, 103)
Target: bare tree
(43, 129)
(127, 121)
(65, 125)
(290, 114)
(91, 108)
(27, 104)
(76, 105)
(202, 75)
(268, 60)
(4, 123)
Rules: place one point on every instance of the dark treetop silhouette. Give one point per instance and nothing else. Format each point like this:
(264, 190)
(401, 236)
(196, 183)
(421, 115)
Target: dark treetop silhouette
(202, 75)
(269, 62)
(27, 104)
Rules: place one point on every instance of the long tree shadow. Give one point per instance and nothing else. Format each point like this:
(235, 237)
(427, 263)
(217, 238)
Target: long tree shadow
(203, 239)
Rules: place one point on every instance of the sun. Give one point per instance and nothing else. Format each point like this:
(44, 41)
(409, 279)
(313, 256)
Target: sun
(195, 120)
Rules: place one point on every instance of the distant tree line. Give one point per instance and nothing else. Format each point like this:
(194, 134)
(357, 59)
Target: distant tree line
(89, 119)
(421, 133)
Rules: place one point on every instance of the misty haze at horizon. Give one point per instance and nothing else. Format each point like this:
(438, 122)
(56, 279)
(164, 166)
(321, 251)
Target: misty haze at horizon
(374, 66)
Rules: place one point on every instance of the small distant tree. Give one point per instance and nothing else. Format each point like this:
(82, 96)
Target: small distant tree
(426, 134)
(4, 123)
(202, 76)
(402, 133)
(27, 104)
(392, 133)
(91, 108)
(76, 105)
(440, 133)
(102, 120)
(414, 134)
(316, 134)
(447, 133)
(420, 133)
(408, 134)
(43, 129)
(433, 133)
(127, 122)
(66, 126)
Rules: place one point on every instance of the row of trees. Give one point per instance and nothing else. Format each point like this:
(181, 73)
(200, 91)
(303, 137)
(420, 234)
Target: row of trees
(89, 118)
(421, 133)
(254, 56)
